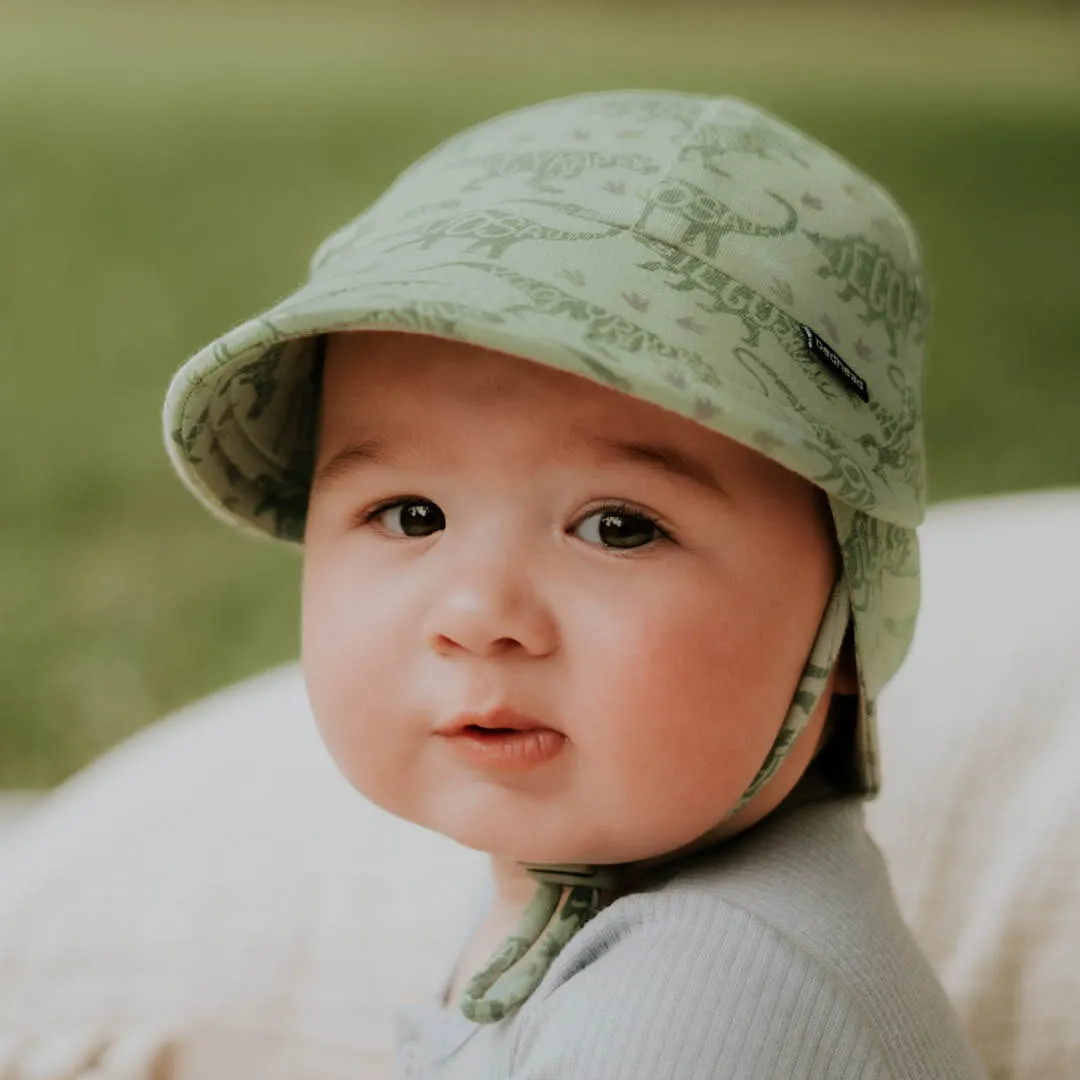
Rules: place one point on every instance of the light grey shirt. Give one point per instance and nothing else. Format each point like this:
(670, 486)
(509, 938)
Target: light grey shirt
(779, 955)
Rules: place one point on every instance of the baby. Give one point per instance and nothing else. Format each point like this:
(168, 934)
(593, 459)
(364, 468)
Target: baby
(601, 433)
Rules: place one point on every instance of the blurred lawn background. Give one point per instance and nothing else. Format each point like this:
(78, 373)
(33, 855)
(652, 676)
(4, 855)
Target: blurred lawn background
(166, 169)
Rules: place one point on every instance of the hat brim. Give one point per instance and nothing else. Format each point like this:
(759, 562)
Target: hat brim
(235, 413)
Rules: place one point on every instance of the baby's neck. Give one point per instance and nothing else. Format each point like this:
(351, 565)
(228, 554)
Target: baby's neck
(513, 889)
(513, 885)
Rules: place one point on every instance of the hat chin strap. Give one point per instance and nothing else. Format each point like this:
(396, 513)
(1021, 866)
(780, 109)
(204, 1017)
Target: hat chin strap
(520, 963)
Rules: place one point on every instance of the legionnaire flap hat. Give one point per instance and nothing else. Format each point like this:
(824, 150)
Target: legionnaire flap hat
(691, 251)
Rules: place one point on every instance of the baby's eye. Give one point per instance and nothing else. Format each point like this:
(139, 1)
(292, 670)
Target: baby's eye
(619, 527)
(414, 517)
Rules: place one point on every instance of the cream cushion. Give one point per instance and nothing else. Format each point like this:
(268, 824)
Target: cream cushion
(215, 881)
(980, 808)
(213, 888)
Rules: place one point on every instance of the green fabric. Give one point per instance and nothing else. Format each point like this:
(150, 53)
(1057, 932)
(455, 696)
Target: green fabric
(686, 250)
(509, 978)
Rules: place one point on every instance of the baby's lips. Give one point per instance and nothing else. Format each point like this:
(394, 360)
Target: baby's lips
(499, 717)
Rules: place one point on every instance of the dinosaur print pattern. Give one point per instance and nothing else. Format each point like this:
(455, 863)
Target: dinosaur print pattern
(712, 143)
(547, 170)
(613, 334)
(869, 273)
(649, 110)
(693, 219)
(723, 294)
(897, 451)
(493, 232)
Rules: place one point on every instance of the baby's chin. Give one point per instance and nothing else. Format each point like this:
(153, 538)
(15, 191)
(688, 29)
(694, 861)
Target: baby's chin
(533, 849)
(552, 829)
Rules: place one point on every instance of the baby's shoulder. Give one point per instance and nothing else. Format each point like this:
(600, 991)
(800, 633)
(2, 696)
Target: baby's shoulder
(775, 945)
(812, 875)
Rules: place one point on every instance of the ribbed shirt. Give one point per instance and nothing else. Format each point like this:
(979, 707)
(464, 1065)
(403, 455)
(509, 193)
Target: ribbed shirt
(779, 955)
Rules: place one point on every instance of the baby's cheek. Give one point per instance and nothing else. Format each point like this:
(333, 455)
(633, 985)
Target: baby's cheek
(337, 669)
(681, 712)
(349, 726)
(686, 665)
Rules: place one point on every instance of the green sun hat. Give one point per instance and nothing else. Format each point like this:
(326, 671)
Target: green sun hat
(691, 251)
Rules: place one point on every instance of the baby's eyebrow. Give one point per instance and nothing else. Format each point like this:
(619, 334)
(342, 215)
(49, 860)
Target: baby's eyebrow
(346, 460)
(660, 456)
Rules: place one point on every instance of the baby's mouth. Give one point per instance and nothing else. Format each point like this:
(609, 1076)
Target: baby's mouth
(493, 723)
(502, 740)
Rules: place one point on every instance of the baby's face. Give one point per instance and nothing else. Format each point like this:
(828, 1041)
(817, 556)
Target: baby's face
(496, 550)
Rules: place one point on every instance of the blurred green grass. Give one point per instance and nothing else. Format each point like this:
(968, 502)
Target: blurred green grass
(165, 172)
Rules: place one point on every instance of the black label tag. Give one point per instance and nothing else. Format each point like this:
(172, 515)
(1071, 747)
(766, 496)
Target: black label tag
(822, 350)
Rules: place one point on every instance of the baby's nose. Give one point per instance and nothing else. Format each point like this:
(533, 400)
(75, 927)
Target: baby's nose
(489, 610)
